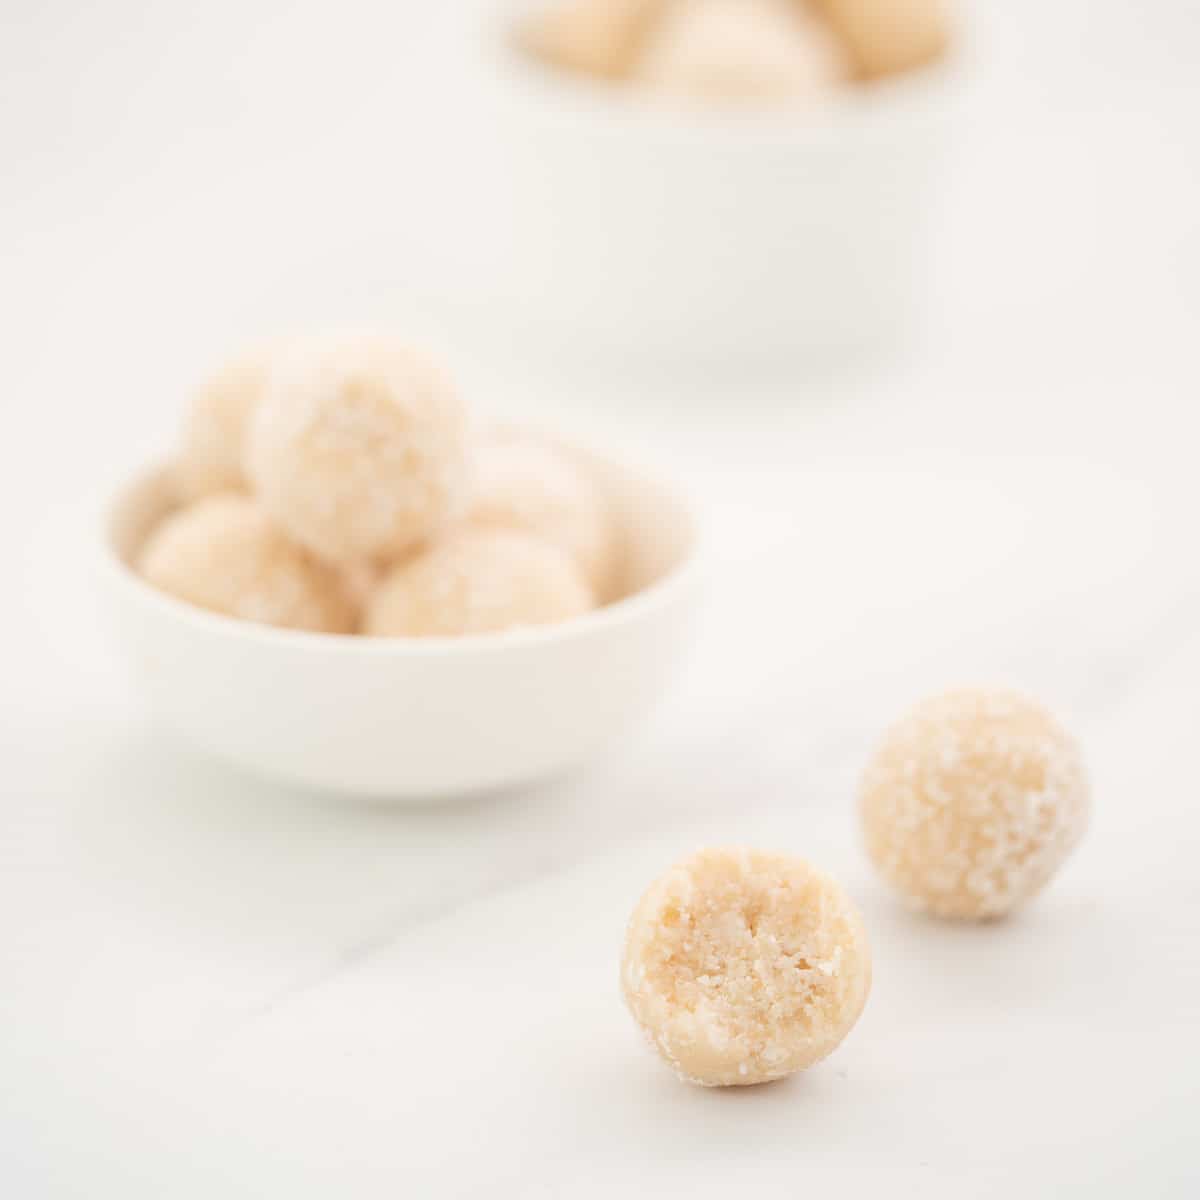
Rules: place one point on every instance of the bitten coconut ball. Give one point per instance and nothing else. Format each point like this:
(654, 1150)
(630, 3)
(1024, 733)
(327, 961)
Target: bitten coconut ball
(972, 803)
(358, 449)
(742, 966)
(223, 553)
(523, 484)
(478, 581)
(213, 449)
(593, 37)
(741, 50)
(886, 37)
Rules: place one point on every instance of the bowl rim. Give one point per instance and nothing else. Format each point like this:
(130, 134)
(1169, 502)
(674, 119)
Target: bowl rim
(566, 97)
(628, 609)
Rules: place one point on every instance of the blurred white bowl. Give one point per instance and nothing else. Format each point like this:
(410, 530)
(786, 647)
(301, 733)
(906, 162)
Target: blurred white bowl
(620, 223)
(410, 718)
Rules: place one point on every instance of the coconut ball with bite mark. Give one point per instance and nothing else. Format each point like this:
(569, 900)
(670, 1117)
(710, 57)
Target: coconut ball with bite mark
(519, 482)
(972, 802)
(742, 966)
(359, 448)
(223, 553)
(478, 581)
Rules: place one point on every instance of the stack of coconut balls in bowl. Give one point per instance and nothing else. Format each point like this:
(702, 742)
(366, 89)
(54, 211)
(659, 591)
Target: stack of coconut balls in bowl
(337, 489)
(739, 185)
(503, 602)
(736, 49)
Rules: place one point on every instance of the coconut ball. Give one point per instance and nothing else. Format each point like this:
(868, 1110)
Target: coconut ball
(594, 37)
(212, 452)
(972, 802)
(523, 484)
(885, 37)
(359, 581)
(741, 50)
(478, 581)
(223, 553)
(742, 966)
(358, 449)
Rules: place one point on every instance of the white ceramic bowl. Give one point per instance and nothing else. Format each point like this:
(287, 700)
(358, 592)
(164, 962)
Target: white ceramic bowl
(413, 719)
(623, 225)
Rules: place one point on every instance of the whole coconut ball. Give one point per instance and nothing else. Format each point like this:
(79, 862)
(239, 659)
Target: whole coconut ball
(223, 553)
(887, 37)
(742, 966)
(359, 448)
(592, 37)
(741, 50)
(523, 484)
(359, 581)
(972, 802)
(478, 581)
(212, 452)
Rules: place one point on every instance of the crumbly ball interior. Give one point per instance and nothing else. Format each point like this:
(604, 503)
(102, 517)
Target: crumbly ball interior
(744, 966)
(358, 450)
(973, 801)
(224, 554)
(478, 581)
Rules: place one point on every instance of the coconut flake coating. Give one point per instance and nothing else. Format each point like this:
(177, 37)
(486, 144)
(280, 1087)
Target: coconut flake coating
(213, 448)
(223, 553)
(523, 484)
(743, 966)
(972, 802)
(358, 449)
(478, 581)
(741, 50)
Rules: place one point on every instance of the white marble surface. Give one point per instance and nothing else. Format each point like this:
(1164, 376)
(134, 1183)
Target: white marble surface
(209, 987)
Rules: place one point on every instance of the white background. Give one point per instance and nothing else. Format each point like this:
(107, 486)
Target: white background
(209, 987)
